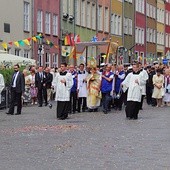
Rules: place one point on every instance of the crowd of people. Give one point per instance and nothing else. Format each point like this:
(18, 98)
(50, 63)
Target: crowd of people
(88, 88)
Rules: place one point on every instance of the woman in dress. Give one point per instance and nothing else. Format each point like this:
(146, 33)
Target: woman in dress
(166, 97)
(26, 96)
(158, 81)
(33, 90)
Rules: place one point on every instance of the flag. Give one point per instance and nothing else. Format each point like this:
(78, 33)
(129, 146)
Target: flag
(4, 45)
(94, 39)
(48, 42)
(67, 40)
(10, 43)
(72, 54)
(51, 44)
(77, 38)
(16, 43)
(26, 42)
(21, 43)
(34, 39)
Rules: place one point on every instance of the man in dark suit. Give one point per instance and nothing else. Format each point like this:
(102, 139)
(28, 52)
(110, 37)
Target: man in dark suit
(48, 82)
(40, 78)
(17, 88)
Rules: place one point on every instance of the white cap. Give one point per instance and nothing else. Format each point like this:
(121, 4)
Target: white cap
(102, 64)
(130, 67)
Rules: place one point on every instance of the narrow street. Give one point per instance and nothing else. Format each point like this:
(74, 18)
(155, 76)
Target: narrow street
(85, 141)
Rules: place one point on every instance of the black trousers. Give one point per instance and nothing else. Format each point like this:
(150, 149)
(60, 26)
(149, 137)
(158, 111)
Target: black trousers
(118, 102)
(82, 101)
(149, 95)
(141, 103)
(62, 109)
(15, 99)
(42, 94)
(106, 99)
(132, 109)
(73, 102)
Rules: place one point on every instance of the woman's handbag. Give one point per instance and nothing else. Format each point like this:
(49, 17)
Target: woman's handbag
(168, 89)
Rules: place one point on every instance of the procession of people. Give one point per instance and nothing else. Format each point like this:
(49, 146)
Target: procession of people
(91, 88)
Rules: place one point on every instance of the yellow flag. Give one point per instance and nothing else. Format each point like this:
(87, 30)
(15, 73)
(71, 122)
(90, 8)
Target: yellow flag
(34, 39)
(26, 42)
(48, 42)
(71, 55)
(16, 43)
(4, 45)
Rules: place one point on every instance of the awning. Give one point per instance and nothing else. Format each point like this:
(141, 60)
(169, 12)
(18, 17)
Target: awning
(80, 46)
(10, 60)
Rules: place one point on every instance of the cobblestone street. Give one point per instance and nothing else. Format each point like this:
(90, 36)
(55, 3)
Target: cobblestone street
(36, 140)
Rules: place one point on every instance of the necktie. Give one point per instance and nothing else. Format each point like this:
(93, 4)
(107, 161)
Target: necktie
(13, 78)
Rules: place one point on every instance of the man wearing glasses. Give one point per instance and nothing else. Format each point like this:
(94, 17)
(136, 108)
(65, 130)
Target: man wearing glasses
(17, 88)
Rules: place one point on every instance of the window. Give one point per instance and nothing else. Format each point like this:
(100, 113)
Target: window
(39, 21)
(26, 53)
(139, 35)
(77, 12)
(116, 24)
(106, 20)
(93, 16)
(140, 6)
(26, 16)
(64, 6)
(17, 52)
(6, 28)
(55, 60)
(100, 18)
(147, 35)
(55, 24)
(47, 60)
(127, 26)
(167, 40)
(47, 23)
(70, 7)
(88, 15)
(83, 15)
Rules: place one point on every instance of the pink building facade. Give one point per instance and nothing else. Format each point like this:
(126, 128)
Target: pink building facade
(46, 19)
(140, 32)
(167, 27)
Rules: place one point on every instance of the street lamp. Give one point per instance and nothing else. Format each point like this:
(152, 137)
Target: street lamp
(41, 50)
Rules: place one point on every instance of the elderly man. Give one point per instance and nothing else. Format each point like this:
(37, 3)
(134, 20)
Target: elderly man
(106, 87)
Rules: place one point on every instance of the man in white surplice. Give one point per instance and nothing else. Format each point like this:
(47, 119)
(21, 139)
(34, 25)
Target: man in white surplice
(82, 88)
(133, 82)
(2, 85)
(63, 83)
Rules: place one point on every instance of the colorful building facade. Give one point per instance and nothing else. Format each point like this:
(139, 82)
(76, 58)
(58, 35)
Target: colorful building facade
(47, 23)
(151, 31)
(160, 30)
(167, 29)
(140, 30)
(128, 29)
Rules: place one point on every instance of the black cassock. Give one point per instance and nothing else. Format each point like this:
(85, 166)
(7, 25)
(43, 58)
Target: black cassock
(62, 109)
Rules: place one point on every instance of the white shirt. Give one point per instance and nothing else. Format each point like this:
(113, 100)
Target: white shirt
(15, 79)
